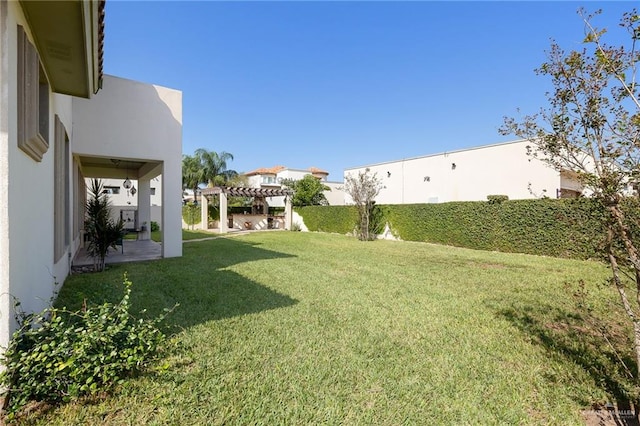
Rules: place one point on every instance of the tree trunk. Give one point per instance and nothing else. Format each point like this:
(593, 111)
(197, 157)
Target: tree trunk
(618, 229)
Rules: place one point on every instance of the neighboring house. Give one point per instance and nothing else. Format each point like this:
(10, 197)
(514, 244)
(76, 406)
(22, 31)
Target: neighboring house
(470, 175)
(272, 177)
(61, 121)
(124, 201)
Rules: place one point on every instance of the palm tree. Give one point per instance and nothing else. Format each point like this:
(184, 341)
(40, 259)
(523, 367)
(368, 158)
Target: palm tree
(214, 166)
(192, 174)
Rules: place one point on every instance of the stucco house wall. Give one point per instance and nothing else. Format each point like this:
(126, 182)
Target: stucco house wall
(464, 175)
(124, 200)
(28, 270)
(39, 230)
(145, 122)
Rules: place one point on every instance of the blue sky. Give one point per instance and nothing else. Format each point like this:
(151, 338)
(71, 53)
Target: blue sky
(342, 84)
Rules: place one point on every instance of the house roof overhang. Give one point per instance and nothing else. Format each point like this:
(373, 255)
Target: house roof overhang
(118, 168)
(247, 192)
(69, 36)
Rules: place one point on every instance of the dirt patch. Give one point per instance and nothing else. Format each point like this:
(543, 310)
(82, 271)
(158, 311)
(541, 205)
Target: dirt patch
(610, 416)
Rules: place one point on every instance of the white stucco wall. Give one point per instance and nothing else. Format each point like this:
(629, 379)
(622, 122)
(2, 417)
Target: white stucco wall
(503, 169)
(124, 199)
(27, 268)
(336, 195)
(138, 121)
(7, 84)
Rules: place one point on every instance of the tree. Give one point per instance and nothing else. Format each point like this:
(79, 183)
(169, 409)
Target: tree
(102, 231)
(308, 191)
(214, 166)
(592, 127)
(192, 174)
(191, 214)
(363, 190)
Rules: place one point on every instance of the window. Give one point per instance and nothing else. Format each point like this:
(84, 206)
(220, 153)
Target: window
(153, 191)
(33, 100)
(61, 217)
(268, 180)
(111, 190)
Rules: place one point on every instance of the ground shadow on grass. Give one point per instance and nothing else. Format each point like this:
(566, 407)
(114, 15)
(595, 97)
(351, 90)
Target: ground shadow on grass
(566, 336)
(199, 282)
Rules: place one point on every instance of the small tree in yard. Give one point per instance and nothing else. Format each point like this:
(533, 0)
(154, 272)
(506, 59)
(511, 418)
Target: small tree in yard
(308, 191)
(592, 126)
(191, 214)
(363, 189)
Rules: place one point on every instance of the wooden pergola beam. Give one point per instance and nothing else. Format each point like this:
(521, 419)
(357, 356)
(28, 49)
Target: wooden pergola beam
(247, 192)
(225, 191)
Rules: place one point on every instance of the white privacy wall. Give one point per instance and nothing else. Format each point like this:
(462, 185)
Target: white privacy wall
(138, 121)
(465, 175)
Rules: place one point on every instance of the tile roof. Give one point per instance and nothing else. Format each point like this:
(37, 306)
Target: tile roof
(317, 170)
(266, 171)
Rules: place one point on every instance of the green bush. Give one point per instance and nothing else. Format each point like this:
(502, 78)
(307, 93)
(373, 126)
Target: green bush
(191, 214)
(154, 226)
(570, 228)
(58, 355)
(497, 199)
(339, 219)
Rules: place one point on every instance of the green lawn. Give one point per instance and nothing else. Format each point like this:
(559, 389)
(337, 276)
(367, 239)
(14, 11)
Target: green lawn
(186, 235)
(298, 328)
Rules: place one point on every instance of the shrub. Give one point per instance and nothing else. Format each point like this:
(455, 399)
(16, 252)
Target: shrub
(58, 355)
(103, 232)
(191, 214)
(497, 199)
(339, 219)
(561, 228)
(154, 226)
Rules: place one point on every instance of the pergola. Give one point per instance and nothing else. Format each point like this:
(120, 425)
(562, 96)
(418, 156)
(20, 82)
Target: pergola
(224, 191)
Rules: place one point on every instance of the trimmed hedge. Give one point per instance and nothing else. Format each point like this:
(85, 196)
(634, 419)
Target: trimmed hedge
(560, 228)
(339, 219)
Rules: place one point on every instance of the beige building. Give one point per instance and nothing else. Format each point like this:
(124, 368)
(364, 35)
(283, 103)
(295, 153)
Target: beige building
(62, 121)
(272, 177)
(470, 175)
(124, 201)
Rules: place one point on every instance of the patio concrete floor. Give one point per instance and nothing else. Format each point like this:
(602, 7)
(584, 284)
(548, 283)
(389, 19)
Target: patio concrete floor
(133, 251)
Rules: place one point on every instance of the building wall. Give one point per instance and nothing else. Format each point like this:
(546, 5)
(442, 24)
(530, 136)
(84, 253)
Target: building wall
(465, 175)
(139, 121)
(28, 271)
(335, 196)
(126, 201)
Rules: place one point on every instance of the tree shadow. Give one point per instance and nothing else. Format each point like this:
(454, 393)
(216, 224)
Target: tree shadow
(566, 337)
(199, 282)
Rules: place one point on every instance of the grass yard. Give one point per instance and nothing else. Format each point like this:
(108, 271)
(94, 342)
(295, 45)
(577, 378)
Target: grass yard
(186, 235)
(298, 328)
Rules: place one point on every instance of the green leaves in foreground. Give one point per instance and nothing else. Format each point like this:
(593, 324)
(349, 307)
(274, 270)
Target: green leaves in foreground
(58, 355)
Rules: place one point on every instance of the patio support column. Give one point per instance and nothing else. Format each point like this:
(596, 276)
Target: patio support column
(288, 212)
(204, 212)
(223, 213)
(144, 208)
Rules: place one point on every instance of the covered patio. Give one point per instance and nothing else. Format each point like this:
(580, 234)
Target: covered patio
(133, 131)
(130, 251)
(259, 217)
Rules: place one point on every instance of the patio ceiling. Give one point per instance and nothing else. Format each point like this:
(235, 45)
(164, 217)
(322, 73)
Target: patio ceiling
(247, 192)
(117, 168)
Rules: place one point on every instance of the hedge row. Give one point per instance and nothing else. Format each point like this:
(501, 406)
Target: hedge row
(340, 219)
(560, 228)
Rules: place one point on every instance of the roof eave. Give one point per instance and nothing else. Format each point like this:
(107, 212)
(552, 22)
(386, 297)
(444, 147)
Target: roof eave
(69, 38)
